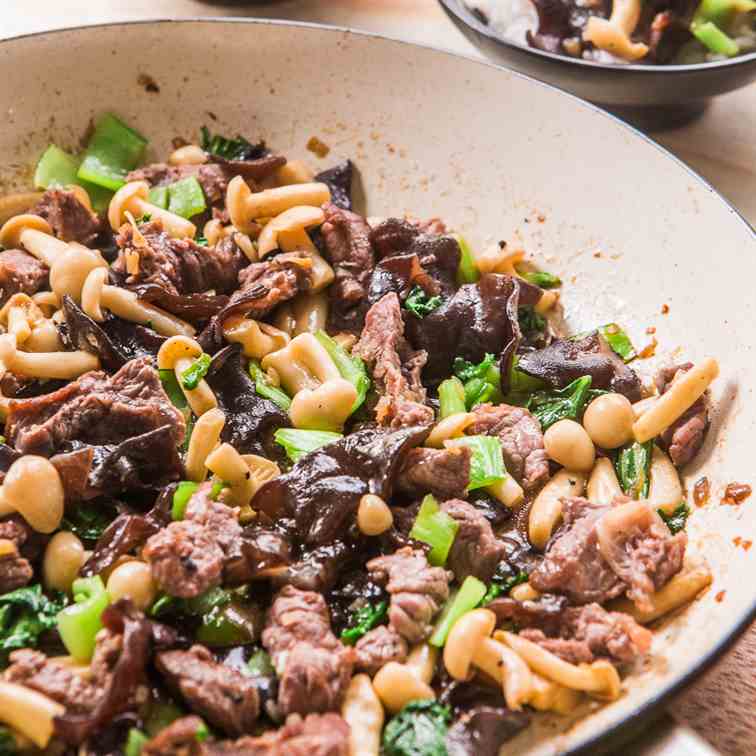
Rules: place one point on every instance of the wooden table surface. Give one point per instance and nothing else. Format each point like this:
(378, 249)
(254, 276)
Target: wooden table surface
(721, 146)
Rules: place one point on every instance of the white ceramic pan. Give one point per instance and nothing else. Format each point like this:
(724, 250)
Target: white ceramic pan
(497, 155)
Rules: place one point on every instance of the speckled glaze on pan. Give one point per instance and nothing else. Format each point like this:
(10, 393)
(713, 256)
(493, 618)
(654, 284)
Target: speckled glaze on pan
(497, 155)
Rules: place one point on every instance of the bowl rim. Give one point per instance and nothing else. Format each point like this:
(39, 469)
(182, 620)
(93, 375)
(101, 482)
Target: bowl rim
(653, 703)
(465, 16)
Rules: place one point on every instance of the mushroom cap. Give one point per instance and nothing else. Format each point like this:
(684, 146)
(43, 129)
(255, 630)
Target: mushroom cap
(122, 199)
(10, 233)
(464, 637)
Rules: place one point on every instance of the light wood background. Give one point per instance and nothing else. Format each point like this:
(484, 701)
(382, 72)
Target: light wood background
(721, 146)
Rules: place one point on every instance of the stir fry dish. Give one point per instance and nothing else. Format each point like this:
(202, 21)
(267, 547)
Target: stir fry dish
(626, 31)
(280, 479)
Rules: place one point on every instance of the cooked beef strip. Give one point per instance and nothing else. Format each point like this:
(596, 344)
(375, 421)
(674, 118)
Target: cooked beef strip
(576, 634)
(565, 360)
(15, 568)
(443, 472)
(187, 557)
(59, 682)
(315, 735)
(601, 551)
(685, 437)
(348, 249)
(395, 367)
(521, 441)
(68, 217)
(20, 273)
(225, 697)
(313, 666)
(94, 409)
(379, 646)
(476, 550)
(573, 563)
(177, 739)
(265, 285)
(418, 591)
(180, 266)
(638, 547)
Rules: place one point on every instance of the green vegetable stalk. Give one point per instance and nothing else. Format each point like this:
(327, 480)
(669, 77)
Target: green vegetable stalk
(486, 460)
(266, 389)
(541, 278)
(619, 341)
(633, 466)
(79, 623)
(229, 149)
(158, 196)
(502, 586)
(468, 597)
(351, 368)
(135, 741)
(172, 388)
(298, 442)
(714, 39)
(192, 376)
(550, 406)
(468, 271)
(363, 620)
(420, 304)
(482, 381)
(451, 396)
(113, 150)
(186, 198)
(436, 528)
(419, 729)
(184, 491)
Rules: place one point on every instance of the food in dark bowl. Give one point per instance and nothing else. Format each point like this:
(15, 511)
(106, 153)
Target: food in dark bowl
(278, 477)
(626, 31)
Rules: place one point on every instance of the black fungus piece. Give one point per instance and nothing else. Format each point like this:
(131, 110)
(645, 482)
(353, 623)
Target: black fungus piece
(479, 319)
(565, 360)
(316, 500)
(339, 180)
(251, 420)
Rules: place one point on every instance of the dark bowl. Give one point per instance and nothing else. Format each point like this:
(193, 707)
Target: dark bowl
(652, 96)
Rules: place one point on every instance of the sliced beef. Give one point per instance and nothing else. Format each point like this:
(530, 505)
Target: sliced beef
(590, 631)
(521, 441)
(265, 285)
(339, 180)
(545, 614)
(69, 218)
(684, 438)
(315, 502)
(187, 557)
(60, 682)
(478, 319)
(20, 273)
(378, 647)
(573, 564)
(418, 591)
(225, 697)
(565, 360)
(95, 409)
(15, 569)
(476, 550)
(395, 367)
(348, 249)
(177, 739)
(638, 546)
(313, 666)
(443, 472)
(180, 266)
(601, 551)
(315, 735)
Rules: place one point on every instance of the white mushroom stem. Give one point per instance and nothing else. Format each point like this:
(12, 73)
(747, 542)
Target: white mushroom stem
(97, 294)
(613, 35)
(59, 365)
(33, 234)
(29, 712)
